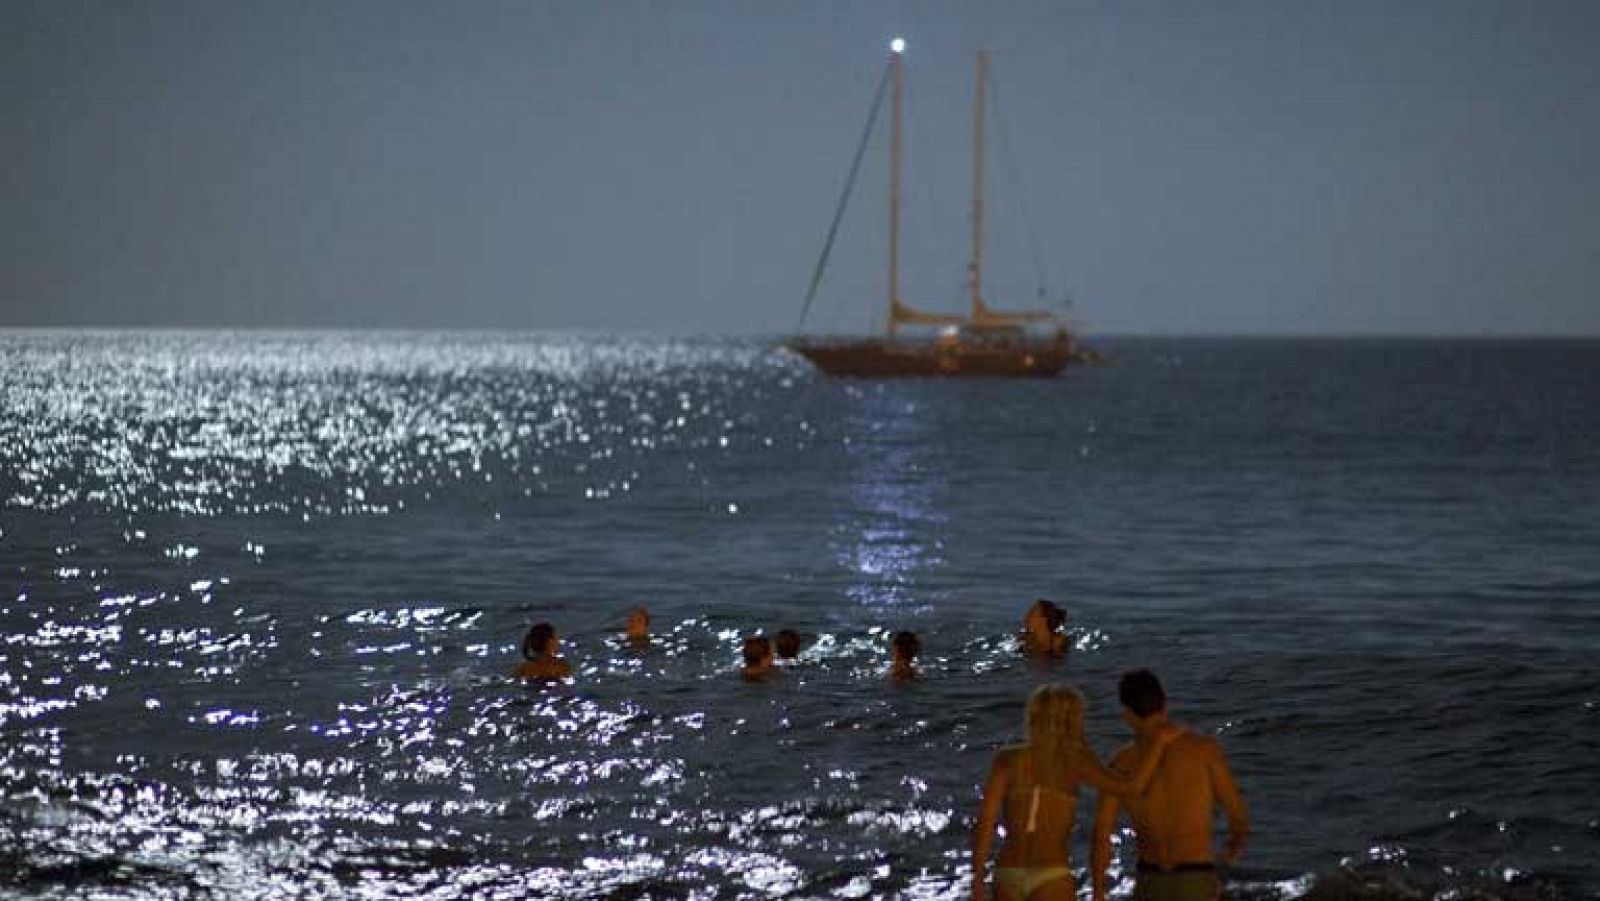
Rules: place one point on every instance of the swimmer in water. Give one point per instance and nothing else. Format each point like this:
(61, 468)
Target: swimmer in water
(541, 652)
(1034, 786)
(1041, 630)
(637, 628)
(758, 662)
(787, 643)
(903, 650)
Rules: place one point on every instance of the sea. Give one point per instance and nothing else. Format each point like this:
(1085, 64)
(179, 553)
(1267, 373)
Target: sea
(261, 594)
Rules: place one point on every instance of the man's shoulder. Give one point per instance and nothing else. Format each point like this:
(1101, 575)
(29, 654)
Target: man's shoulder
(1196, 745)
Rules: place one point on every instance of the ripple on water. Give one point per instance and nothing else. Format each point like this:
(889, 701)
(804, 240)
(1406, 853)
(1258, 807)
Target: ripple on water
(331, 424)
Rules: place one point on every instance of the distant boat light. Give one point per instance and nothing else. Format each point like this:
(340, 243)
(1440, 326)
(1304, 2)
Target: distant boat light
(898, 45)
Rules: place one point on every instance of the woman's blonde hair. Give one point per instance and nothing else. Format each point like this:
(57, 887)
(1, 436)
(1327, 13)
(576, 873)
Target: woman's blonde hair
(1055, 715)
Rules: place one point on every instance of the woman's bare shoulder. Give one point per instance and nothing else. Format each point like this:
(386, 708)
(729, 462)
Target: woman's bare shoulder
(1008, 755)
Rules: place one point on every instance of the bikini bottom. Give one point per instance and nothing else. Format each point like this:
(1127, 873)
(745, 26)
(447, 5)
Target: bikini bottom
(1020, 882)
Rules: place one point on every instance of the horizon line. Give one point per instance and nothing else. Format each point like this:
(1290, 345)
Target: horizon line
(777, 336)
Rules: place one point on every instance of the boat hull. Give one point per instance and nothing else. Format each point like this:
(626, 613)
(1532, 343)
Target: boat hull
(881, 358)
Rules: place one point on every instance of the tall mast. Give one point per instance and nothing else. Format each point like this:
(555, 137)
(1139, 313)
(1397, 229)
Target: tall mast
(976, 286)
(896, 47)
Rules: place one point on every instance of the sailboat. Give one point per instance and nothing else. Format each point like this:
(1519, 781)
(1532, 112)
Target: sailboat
(986, 341)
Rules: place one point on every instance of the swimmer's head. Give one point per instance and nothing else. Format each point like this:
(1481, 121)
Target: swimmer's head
(1048, 616)
(905, 646)
(1055, 714)
(540, 641)
(638, 624)
(1141, 693)
(787, 642)
(757, 650)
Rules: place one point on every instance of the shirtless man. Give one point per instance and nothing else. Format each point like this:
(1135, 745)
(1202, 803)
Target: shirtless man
(787, 644)
(903, 650)
(637, 628)
(1173, 819)
(541, 653)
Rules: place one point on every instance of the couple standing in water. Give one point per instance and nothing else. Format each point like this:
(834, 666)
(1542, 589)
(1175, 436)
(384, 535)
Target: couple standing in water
(1170, 780)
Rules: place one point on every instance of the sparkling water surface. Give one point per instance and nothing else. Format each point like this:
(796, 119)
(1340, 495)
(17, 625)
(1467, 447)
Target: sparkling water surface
(260, 594)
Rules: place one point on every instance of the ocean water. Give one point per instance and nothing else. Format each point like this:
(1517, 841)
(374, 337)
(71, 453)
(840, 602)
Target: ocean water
(260, 593)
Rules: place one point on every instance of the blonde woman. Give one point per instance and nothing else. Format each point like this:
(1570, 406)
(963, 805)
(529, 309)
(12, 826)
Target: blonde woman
(1035, 787)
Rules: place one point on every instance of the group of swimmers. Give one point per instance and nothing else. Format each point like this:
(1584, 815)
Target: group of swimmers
(541, 648)
(761, 654)
(1170, 781)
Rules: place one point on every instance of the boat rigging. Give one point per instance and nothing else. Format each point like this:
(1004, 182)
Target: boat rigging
(986, 341)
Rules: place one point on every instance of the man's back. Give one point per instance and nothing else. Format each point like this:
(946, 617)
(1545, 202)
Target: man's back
(1173, 818)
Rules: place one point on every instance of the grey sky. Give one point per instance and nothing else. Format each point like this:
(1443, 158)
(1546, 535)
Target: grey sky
(1252, 167)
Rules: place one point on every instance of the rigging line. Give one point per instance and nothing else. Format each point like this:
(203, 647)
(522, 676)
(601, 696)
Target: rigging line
(1015, 170)
(844, 199)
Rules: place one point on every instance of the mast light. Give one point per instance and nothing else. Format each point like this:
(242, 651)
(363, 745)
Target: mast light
(897, 46)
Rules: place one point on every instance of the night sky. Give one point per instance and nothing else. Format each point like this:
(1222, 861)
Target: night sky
(1189, 168)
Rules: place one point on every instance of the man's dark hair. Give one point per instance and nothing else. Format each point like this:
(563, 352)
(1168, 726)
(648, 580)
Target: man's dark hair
(788, 642)
(1140, 691)
(1054, 616)
(537, 640)
(756, 649)
(906, 645)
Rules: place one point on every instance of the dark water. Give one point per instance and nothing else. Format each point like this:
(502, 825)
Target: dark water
(259, 593)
